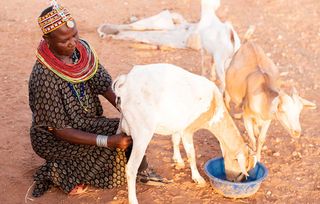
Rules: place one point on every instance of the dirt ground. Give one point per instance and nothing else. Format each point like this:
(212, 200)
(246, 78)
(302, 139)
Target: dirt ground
(288, 30)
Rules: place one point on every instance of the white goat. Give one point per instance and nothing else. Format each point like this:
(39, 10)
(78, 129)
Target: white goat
(168, 100)
(252, 83)
(219, 39)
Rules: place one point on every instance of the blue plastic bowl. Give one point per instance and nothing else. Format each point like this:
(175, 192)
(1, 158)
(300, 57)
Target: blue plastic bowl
(214, 169)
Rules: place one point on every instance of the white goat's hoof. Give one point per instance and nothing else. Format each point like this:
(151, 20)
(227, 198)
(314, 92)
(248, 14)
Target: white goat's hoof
(200, 182)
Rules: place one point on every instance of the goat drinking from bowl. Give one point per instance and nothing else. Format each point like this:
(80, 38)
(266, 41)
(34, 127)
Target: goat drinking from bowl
(168, 100)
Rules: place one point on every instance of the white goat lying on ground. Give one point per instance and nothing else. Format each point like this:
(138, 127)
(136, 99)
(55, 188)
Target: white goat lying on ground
(252, 82)
(168, 100)
(219, 39)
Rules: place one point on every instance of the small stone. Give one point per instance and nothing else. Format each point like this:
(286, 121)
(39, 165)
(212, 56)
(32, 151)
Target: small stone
(276, 154)
(133, 19)
(315, 87)
(296, 154)
(284, 73)
(269, 193)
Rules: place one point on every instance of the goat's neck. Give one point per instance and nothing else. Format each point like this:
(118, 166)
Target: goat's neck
(228, 134)
(208, 16)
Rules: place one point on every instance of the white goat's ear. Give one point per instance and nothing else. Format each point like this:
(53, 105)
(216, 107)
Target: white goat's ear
(307, 104)
(252, 158)
(242, 163)
(222, 150)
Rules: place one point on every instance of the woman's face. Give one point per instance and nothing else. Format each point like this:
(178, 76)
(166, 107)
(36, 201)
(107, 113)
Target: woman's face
(63, 41)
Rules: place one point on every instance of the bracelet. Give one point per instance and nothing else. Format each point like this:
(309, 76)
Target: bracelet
(102, 141)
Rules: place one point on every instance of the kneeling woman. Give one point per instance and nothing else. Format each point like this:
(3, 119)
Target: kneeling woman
(68, 130)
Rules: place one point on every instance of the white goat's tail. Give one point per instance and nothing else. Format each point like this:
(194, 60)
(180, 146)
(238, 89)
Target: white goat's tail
(117, 83)
(249, 33)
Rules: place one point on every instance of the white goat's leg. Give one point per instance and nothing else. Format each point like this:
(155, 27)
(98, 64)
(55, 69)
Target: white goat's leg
(218, 68)
(187, 139)
(262, 137)
(141, 140)
(248, 124)
(176, 138)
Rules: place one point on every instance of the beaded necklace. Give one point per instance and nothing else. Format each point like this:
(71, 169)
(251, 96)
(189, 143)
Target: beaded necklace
(83, 70)
(82, 98)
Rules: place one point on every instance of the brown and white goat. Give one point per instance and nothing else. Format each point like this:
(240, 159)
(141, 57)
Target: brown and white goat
(252, 83)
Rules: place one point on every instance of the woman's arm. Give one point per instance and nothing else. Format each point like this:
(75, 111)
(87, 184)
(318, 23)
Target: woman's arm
(110, 96)
(75, 136)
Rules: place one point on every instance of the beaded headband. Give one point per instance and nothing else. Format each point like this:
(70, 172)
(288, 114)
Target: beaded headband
(55, 19)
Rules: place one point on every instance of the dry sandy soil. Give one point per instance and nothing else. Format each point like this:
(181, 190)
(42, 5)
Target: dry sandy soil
(288, 30)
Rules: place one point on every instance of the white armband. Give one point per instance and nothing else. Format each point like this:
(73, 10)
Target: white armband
(102, 141)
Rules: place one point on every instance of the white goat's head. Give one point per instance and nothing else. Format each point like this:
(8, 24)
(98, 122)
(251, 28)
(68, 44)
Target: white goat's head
(210, 4)
(288, 111)
(237, 165)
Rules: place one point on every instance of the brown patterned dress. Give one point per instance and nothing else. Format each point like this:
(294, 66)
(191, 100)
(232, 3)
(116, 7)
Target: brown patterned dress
(53, 104)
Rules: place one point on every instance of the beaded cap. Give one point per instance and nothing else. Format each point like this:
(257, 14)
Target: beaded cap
(55, 19)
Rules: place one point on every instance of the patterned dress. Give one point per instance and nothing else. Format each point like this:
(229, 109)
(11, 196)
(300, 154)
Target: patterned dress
(53, 104)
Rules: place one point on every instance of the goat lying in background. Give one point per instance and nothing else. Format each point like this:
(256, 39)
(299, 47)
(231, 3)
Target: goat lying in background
(219, 39)
(252, 83)
(168, 100)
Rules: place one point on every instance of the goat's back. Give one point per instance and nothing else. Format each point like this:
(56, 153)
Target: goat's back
(249, 59)
(166, 93)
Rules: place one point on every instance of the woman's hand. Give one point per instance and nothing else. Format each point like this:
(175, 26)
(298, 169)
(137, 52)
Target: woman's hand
(75, 136)
(121, 141)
